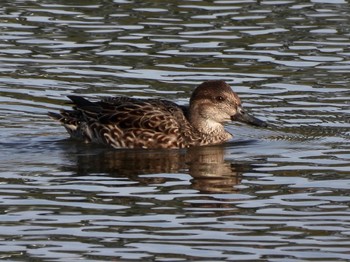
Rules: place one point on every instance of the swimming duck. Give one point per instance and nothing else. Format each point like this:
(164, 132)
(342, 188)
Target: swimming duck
(124, 122)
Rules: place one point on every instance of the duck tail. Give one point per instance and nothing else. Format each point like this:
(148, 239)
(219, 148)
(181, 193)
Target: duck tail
(71, 123)
(55, 116)
(81, 102)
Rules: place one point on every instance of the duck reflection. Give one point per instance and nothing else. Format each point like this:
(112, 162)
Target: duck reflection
(210, 171)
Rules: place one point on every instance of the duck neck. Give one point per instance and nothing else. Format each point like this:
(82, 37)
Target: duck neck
(212, 131)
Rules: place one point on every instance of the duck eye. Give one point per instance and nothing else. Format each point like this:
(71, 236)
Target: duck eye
(219, 99)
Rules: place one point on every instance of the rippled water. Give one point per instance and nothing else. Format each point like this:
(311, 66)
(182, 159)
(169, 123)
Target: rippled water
(276, 194)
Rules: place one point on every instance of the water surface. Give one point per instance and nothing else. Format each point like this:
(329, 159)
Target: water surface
(275, 194)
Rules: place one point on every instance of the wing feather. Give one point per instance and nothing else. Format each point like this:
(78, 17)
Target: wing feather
(126, 122)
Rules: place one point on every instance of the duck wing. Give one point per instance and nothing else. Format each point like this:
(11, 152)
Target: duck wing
(127, 122)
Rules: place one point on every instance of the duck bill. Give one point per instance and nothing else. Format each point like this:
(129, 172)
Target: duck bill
(244, 117)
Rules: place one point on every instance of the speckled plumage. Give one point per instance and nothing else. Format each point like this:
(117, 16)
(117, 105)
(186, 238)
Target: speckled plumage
(123, 122)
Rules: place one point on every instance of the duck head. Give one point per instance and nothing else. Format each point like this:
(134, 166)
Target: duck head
(213, 103)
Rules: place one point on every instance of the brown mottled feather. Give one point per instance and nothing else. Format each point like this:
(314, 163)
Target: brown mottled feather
(126, 122)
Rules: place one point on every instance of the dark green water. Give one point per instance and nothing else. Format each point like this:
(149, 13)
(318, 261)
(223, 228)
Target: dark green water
(275, 194)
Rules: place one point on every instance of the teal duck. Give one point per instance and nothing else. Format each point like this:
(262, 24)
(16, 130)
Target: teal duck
(124, 122)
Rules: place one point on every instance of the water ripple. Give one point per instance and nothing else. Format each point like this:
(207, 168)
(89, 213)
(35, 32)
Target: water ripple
(271, 194)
